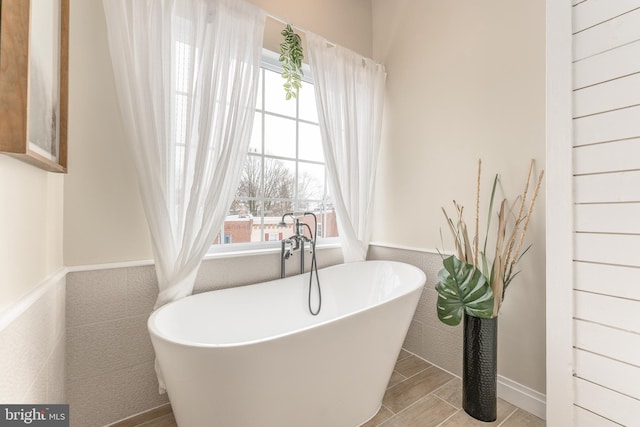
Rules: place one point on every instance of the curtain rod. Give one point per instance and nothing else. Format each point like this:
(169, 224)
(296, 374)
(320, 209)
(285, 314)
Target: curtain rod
(284, 21)
(330, 43)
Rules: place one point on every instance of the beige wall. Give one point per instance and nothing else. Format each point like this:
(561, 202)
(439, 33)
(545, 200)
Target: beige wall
(30, 228)
(103, 217)
(466, 80)
(347, 23)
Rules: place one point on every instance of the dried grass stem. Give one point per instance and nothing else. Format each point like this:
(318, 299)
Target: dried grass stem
(526, 222)
(510, 236)
(519, 218)
(475, 238)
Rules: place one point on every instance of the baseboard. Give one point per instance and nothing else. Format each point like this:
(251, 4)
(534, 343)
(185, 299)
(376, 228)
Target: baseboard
(143, 417)
(522, 397)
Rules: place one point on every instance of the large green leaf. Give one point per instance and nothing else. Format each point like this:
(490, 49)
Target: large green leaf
(462, 288)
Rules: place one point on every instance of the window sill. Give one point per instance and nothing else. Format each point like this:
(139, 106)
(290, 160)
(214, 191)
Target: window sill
(251, 249)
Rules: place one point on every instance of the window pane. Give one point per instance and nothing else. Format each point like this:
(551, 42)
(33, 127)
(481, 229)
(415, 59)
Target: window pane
(310, 143)
(279, 136)
(329, 223)
(307, 103)
(255, 146)
(179, 177)
(274, 95)
(251, 178)
(181, 118)
(279, 183)
(183, 66)
(239, 223)
(259, 97)
(242, 206)
(272, 228)
(310, 181)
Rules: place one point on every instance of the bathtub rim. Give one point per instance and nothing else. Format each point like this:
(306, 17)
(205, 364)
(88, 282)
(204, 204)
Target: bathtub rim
(155, 333)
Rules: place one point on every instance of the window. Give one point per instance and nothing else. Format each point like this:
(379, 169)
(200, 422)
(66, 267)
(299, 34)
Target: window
(285, 168)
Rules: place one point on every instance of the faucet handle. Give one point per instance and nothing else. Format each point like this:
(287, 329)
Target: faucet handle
(294, 242)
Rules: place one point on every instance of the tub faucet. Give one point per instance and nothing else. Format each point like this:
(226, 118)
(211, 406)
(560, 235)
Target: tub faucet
(295, 242)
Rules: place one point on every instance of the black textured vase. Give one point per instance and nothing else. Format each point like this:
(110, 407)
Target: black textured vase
(480, 367)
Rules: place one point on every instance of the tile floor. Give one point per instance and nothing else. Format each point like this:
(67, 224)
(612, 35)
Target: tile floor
(418, 395)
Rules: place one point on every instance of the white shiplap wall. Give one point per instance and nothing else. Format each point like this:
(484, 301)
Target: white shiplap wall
(606, 195)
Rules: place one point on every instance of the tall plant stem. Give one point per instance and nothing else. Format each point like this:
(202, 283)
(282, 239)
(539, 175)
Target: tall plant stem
(519, 218)
(526, 222)
(497, 279)
(493, 193)
(475, 238)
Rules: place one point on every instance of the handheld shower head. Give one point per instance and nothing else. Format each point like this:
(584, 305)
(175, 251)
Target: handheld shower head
(293, 216)
(282, 222)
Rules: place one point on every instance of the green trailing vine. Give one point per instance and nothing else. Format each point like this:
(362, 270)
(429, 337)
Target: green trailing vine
(291, 57)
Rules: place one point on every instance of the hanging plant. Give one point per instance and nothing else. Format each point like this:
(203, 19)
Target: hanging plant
(291, 57)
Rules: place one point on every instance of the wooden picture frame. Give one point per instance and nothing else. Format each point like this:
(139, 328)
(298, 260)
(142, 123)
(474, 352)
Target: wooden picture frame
(34, 60)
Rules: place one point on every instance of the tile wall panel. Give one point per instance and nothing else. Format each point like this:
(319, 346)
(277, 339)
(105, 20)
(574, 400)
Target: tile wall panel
(32, 350)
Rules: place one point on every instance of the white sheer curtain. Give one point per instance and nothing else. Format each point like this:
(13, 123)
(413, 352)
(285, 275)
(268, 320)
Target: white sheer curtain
(349, 94)
(186, 73)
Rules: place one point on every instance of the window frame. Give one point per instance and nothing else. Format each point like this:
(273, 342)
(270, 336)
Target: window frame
(270, 61)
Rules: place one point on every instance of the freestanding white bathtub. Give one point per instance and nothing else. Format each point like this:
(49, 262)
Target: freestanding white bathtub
(253, 356)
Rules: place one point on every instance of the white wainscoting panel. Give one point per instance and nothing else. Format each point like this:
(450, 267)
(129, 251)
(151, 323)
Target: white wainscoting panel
(623, 282)
(608, 218)
(607, 188)
(586, 418)
(610, 404)
(608, 35)
(606, 212)
(606, 310)
(612, 95)
(610, 126)
(608, 157)
(610, 342)
(612, 64)
(618, 249)
(589, 13)
(609, 373)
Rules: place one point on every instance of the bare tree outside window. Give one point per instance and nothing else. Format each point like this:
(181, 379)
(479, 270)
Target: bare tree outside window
(279, 187)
